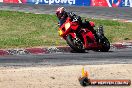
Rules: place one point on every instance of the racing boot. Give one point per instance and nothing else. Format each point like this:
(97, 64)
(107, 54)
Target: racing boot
(100, 33)
(100, 30)
(96, 36)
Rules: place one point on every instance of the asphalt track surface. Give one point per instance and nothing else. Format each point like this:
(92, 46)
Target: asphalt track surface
(115, 56)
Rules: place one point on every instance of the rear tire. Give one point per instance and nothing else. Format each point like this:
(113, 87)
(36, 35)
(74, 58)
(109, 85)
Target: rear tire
(105, 45)
(75, 45)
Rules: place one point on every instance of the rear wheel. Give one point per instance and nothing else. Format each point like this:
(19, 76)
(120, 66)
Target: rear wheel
(105, 45)
(75, 43)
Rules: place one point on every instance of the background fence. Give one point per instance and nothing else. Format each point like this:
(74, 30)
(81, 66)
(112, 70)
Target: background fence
(103, 3)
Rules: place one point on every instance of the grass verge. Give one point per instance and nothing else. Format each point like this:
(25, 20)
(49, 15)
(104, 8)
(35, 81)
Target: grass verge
(21, 30)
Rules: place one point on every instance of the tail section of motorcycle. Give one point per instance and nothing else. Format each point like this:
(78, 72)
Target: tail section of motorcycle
(96, 41)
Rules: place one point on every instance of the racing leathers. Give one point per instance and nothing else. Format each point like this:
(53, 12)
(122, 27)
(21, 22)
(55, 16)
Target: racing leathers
(78, 19)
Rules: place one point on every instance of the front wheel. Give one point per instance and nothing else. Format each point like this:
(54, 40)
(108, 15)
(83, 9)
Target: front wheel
(105, 45)
(75, 43)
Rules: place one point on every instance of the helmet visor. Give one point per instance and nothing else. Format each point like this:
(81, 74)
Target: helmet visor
(59, 15)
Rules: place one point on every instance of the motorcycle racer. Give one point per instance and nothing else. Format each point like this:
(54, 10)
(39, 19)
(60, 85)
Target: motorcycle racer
(62, 15)
(80, 35)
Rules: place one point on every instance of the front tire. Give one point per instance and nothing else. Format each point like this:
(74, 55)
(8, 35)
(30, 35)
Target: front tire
(75, 44)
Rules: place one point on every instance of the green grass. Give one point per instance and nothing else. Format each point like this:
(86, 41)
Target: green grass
(21, 30)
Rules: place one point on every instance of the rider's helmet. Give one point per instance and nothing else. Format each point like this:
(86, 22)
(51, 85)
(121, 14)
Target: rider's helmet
(60, 12)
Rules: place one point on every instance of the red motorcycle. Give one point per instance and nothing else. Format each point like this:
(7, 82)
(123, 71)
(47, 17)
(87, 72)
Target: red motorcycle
(81, 38)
